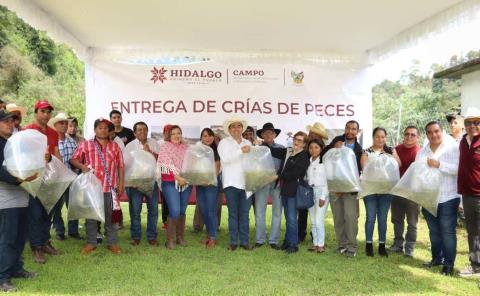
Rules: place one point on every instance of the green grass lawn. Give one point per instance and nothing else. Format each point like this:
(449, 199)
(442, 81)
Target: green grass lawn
(194, 270)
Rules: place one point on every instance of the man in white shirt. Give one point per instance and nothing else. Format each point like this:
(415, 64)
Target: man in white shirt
(445, 157)
(231, 150)
(135, 197)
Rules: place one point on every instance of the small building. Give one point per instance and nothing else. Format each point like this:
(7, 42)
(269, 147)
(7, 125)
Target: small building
(469, 72)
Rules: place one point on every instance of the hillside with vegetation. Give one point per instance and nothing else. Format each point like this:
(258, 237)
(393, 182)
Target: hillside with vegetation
(33, 67)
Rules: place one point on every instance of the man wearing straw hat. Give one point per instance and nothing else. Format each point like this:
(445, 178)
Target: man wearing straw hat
(19, 113)
(66, 146)
(231, 150)
(469, 187)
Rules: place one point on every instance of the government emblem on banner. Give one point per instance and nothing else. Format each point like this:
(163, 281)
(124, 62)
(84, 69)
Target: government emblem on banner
(297, 77)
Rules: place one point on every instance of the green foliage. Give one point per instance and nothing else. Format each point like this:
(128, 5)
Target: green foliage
(415, 99)
(33, 67)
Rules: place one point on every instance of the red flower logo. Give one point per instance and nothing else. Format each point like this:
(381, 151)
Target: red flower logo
(158, 74)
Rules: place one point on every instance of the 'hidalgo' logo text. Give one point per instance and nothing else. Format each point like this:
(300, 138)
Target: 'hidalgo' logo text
(160, 74)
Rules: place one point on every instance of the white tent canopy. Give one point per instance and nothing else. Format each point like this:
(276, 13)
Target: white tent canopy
(318, 30)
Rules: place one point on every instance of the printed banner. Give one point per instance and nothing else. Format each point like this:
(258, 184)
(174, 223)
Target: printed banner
(204, 95)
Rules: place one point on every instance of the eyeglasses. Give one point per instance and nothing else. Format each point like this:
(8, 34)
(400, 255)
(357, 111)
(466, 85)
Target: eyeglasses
(474, 123)
(297, 140)
(409, 135)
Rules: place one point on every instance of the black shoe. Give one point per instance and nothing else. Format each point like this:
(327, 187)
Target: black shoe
(258, 245)
(381, 250)
(369, 249)
(7, 286)
(291, 250)
(432, 264)
(284, 246)
(232, 247)
(75, 236)
(275, 246)
(23, 274)
(246, 247)
(60, 237)
(447, 270)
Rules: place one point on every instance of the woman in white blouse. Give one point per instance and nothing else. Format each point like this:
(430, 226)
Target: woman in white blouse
(317, 178)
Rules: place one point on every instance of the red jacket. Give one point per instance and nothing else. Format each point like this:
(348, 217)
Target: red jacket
(469, 167)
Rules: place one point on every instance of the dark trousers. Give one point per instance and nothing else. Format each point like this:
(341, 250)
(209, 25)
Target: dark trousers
(302, 224)
(72, 224)
(13, 234)
(403, 208)
(39, 223)
(164, 208)
(57, 218)
(471, 207)
(443, 232)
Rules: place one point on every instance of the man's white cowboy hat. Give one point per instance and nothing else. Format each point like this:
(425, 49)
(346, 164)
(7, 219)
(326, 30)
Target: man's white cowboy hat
(59, 117)
(13, 107)
(472, 113)
(234, 119)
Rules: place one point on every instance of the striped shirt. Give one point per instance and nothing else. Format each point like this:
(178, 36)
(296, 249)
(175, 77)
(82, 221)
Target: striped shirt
(448, 155)
(87, 154)
(67, 148)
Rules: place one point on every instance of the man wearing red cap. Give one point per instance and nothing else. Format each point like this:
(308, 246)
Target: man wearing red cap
(104, 157)
(39, 221)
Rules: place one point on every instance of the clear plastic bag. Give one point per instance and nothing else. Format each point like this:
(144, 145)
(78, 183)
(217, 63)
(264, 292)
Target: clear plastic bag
(25, 156)
(258, 167)
(198, 166)
(420, 184)
(342, 171)
(380, 174)
(86, 198)
(55, 181)
(140, 169)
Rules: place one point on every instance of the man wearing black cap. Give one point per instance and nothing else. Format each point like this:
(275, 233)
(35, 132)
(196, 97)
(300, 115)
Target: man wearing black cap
(268, 133)
(13, 216)
(39, 222)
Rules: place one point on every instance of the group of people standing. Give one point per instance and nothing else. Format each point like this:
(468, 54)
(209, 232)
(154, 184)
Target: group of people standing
(23, 216)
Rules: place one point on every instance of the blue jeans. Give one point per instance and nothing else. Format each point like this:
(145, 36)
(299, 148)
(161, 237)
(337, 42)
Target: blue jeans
(291, 214)
(207, 198)
(377, 206)
(238, 215)
(13, 234)
(177, 201)
(39, 224)
(135, 201)
(443, 232)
